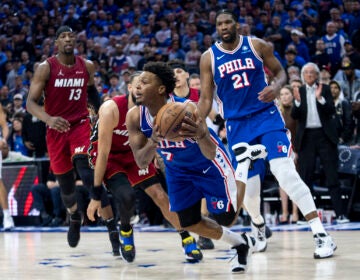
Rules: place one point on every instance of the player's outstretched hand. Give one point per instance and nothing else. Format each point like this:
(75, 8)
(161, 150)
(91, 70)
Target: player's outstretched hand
(93, 207)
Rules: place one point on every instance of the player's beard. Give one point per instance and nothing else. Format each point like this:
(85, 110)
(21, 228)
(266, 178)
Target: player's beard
(231, 39)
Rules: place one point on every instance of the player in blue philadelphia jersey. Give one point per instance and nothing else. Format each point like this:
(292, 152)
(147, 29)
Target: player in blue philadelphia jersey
(195, 167)
(234, 69)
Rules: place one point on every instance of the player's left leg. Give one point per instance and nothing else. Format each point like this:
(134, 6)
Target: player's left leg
(160, 198)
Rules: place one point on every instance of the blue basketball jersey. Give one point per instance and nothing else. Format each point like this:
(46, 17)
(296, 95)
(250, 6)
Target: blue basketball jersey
(190, 176)
(239, 76)
(333, 47)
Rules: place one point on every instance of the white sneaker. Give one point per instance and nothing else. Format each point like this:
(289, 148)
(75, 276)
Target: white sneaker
(243, 151)
(324, 246)
(240, 261)
(8, 223)
(259, 233)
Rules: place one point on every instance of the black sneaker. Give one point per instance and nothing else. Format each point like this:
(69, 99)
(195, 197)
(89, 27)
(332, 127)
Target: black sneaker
(73, 235)
(115, 242)
(243, 253)
(56, 222)
(205, 243)
(46, 220)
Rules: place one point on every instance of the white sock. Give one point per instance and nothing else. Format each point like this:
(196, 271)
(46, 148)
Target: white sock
(242, 169)
(231, 237)
(6, 212)
(316, 226)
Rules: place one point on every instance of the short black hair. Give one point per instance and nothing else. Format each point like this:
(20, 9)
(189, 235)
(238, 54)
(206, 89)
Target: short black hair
(226, 11)
(177, 63)
(163, 72)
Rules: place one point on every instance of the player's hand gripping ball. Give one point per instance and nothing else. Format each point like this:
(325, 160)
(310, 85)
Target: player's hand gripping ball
(170, 117)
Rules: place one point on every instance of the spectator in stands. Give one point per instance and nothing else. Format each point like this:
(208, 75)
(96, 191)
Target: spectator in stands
(175, 52)
(192, 58)
(163, 36)
(316, 135)
(308, 16)
(349, 79)
(100, 37)
(290, 56)
(276, 34)
(344, 121)
(334, 45)
(19, 88)
(17, 105)
(297, 40)
(292, 22)
(311, 39)
(191, 34)
(16, 141)
(293, 72)
(352, 53)
(114, 88)
(325, 75)
(135, 48)
(286, 99)
(120, 61)
(9, 75)
(321, 58)
(47, 201)
(4, 96)
(125, 80)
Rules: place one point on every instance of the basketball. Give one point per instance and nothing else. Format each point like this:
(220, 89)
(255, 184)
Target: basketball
(170, 117)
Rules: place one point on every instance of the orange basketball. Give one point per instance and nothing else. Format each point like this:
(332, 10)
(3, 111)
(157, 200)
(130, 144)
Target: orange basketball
(170, 117)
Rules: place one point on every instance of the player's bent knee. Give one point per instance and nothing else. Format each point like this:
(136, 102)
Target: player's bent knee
(226, 218)
(190, 216)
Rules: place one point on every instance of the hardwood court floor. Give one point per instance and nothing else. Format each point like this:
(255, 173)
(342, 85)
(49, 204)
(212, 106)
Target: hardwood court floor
(46, 255)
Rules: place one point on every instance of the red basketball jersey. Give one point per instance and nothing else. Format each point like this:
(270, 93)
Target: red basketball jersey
(66, 90)
(194, 95)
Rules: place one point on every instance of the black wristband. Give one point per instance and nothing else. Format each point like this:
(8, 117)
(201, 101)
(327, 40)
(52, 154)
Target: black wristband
(96, 192)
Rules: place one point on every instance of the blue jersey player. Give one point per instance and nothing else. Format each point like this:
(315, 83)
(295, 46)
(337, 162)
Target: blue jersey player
(234, 69)
(195, 167)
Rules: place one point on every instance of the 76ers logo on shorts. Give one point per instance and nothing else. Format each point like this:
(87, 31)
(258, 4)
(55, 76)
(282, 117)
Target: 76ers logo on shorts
(217, 204)
(282, 148)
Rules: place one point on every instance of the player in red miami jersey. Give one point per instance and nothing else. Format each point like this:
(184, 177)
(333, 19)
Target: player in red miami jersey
(114, 164)
(67, 82)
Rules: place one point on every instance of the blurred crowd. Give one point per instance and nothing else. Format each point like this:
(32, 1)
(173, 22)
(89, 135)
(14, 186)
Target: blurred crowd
(121, 36)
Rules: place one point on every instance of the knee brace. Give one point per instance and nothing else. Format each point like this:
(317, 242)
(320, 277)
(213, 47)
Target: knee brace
(289, 180)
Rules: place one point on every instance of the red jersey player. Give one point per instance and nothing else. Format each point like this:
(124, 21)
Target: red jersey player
(67, 82)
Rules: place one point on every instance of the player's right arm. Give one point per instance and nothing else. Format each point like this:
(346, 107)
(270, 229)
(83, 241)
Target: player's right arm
(143, 148)
(36, 90)
(207, 85)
